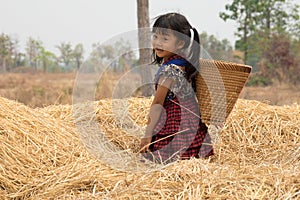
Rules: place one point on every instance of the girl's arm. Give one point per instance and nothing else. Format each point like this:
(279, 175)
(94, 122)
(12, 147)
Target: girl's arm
(156, 109)
(154, 113)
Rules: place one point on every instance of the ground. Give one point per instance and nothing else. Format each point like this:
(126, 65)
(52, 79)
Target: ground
(42, 89)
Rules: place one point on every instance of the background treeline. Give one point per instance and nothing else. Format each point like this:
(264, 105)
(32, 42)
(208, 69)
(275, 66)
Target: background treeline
(268, 39)
(37, 58)
(268, 33)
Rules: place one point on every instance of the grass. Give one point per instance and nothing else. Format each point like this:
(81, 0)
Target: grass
(41, 89)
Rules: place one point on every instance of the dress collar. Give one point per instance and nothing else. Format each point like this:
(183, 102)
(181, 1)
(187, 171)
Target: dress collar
(177, 60)
(174, 57)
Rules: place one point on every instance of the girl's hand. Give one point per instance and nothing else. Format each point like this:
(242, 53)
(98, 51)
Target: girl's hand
(145, 143)
(156, 110)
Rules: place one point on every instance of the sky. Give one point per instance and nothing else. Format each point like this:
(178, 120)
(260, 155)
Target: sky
(92, 21)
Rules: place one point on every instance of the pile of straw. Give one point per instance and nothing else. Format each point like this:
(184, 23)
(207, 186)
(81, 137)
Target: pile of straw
(42, 155)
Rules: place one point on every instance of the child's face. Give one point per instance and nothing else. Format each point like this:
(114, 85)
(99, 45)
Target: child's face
(166, 45)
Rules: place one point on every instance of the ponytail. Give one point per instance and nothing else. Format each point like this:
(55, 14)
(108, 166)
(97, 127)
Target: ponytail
(193, 56)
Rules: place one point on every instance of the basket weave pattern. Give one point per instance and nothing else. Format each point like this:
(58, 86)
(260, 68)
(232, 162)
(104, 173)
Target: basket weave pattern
(219, 84)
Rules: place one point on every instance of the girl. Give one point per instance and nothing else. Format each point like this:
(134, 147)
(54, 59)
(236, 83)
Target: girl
(174, 128)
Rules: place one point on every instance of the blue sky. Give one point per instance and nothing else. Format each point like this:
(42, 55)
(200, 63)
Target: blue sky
(91, 21)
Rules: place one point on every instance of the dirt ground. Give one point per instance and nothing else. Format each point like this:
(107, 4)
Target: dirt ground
(273, 95)
(38, 90)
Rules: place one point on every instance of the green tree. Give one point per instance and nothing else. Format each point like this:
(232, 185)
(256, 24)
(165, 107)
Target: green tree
(261, 18)
(46, 58)
(19, 59)
(279, 61)
(117, 55)
(4, 52)
(101, 54)
(277, 16)
(243, 12)
(8, 52)
(14, 55)
(218, 49)
(78, 55)
(33, 48)
(66, 53)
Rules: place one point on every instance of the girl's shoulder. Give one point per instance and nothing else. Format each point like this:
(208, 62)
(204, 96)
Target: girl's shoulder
(180, 86)
(173, 70)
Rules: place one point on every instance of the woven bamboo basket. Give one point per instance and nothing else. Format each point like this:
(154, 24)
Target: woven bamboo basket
(219, 85)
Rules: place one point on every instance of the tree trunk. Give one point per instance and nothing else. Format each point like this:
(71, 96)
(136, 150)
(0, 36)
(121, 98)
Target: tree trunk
(245, 45)
(245, 36)
(78, 65)
(4, 65)
(144, 41)
(268, 22)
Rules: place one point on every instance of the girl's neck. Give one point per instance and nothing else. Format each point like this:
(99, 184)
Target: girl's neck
(175, 56)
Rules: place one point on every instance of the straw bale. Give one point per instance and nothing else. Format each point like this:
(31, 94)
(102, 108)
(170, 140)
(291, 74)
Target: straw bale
(44, 154)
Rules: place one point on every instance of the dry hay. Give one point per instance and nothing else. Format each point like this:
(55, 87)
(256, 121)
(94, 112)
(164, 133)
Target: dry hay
(41, 156)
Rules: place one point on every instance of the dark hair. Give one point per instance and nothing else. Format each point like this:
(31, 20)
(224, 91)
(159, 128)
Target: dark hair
(182, 30)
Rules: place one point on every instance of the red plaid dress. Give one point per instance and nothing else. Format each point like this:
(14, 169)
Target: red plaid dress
(180, 133)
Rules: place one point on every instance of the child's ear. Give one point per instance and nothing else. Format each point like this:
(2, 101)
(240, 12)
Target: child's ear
(180, 44)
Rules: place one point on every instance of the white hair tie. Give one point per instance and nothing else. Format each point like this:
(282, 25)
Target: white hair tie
(188, 51)
(191, 39)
